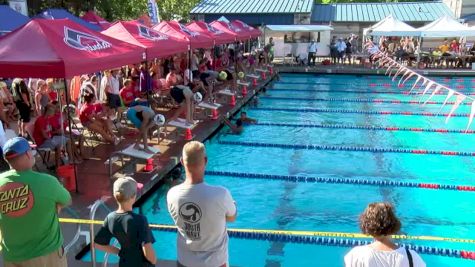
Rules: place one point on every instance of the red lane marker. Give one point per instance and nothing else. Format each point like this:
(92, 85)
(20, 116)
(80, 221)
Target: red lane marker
(450, 153)
(386, 85)
(465, 188)
(428, 114)
(392, 128)
(396, 101)
(413, 102)
(459, 80)
(416, 129)
(432, 186)
(400, 85)
(378, 100)
(406, 113)
(372, 85)
(419, 151)
(386, 112)
(442, 130)
(460, 86)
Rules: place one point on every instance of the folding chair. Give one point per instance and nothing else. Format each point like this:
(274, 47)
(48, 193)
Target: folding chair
(45, 153)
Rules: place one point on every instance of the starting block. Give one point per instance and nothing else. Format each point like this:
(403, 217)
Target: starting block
(226, 92)
(252, 76)
(181, 123)
(262, 70)
(129, 152)
(207, 105)
(239, 82)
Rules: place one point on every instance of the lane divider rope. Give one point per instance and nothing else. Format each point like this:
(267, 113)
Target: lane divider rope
(322, 238)
(350, 148)
(368, 112)
(356, 91)
(363, 127)
(362, 100)
(385, 85)
(333, 180)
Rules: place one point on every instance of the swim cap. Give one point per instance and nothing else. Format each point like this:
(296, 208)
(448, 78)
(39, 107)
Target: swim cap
(241, 75)
(197, 97)
(223, 75)
(159, 119)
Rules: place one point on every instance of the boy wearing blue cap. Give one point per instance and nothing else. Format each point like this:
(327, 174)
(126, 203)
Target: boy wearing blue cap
(29, 206)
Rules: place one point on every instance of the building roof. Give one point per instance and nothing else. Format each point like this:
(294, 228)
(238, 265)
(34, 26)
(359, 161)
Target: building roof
(252, 6)
(373, 12)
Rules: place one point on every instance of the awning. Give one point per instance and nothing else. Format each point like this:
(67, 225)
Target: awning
(299, 28)
(220, 37)
(390, 26)
(180, 31)
(445, 27)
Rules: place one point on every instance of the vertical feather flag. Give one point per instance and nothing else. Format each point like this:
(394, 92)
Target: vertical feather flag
(459, 100)
(472, 114)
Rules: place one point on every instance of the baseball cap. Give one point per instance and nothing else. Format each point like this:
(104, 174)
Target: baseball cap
(126, 186)
(15, 147)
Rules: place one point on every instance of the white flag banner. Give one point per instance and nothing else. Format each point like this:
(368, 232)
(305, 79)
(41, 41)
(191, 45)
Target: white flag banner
(436, 90)
(408, 77)
(419, 77)
(459, 100)
(470, 118)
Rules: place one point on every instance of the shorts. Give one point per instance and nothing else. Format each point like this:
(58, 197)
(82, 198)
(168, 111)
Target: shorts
(113, 101)
(54, 142)
(55, 259)
(132, 117)
(204, 77)
(179, 94)
(229, 76)
(24, 110)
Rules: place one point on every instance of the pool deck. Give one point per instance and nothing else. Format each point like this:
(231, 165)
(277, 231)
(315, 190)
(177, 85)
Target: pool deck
(93, 177)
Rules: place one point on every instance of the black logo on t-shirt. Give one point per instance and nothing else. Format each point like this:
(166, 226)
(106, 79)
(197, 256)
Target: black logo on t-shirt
(191, 214)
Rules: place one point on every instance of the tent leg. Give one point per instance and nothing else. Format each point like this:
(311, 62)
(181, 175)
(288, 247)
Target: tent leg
(68, 101)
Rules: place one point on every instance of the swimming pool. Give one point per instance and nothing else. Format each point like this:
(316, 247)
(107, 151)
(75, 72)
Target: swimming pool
(311, 206)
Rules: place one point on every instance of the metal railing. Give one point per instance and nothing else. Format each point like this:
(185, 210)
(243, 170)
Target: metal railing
(75, 215)
(98, 203)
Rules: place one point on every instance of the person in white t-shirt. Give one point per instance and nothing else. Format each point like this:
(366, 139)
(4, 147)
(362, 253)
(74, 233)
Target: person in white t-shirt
(200, 211)
(379, 221)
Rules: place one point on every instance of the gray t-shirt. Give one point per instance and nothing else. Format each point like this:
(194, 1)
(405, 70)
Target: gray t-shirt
(200, 211)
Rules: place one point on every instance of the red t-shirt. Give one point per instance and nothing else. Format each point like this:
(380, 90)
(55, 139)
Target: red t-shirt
(55, 122)
(53, 96)
(127, 94)
(218, 64)
(88, 110)
(42, 123)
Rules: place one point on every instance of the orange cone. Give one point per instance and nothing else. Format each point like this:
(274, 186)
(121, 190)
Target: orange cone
(214, 114)
(188, 135)
(263, 75)
(233, 101)
(270, 70)
(254, 82)
(149, 166)
(244, 90)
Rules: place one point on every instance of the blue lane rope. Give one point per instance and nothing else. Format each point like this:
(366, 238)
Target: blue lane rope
(354, 91)
(349, 148)
(336, 242)
(333, 180)
(361, 100)
(362, 127)
(351, 111)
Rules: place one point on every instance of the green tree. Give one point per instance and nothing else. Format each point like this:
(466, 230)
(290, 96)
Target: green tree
(176, 9)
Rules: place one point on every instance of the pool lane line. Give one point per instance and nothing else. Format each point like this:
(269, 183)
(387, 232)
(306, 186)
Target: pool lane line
(332, 180)
(357, 91)
(362, 100)
(350, 148)
(363, 127)
(368, 112)
(372, 85)
(173, 228)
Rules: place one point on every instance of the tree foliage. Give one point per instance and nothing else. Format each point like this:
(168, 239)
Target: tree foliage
(118, 9)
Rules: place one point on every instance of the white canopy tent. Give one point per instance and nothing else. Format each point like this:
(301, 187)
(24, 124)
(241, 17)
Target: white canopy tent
(445, 27)
(390, 26)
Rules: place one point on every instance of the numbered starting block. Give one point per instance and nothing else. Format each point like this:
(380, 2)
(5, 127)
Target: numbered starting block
(213, 107)
(230, 94)
(183, 124)
(244, 86)
(263, 73)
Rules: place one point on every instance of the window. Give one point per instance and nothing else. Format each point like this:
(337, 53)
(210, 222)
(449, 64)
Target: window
(301, 37)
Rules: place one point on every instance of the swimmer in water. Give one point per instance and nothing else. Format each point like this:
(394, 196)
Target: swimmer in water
(237, 128)
(245, 119)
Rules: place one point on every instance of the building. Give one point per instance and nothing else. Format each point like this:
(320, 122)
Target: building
(353, 18)
(255, 12)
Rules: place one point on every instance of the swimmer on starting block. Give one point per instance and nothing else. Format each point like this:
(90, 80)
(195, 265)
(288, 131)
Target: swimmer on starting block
(144, 118)
(185, 97)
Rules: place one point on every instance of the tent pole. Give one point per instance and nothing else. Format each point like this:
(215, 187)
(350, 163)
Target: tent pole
(419, 51)
(70, 130)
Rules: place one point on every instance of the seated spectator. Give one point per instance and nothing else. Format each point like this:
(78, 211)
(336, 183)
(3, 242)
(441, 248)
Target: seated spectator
(129, 228)
(129, 96)
(47, 137)
(379, 221)
(92, 117)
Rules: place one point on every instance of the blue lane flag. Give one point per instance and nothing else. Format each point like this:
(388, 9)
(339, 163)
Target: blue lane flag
(153, 11)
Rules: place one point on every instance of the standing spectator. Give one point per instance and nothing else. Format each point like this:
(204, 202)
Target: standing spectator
(104, 86)
(31, 233)
(200, 212)
(340, 48)
(348, 50)
(23, 102)
(333, 52)
(312, 53)
(6, 100)
(379, 221)
(354, 44)
(129, 228)
(41, 96)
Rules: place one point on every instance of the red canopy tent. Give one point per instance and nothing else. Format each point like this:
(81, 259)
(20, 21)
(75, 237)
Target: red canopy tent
(178, 30)
(62, 49)
(229, 28)
(157, 44)
(253, 32)
(95, 19)
(220, 37)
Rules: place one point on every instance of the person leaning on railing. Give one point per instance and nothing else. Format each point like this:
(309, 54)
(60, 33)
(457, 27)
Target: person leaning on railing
(379, 221)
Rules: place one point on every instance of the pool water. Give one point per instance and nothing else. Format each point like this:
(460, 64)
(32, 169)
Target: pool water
(271, 204)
